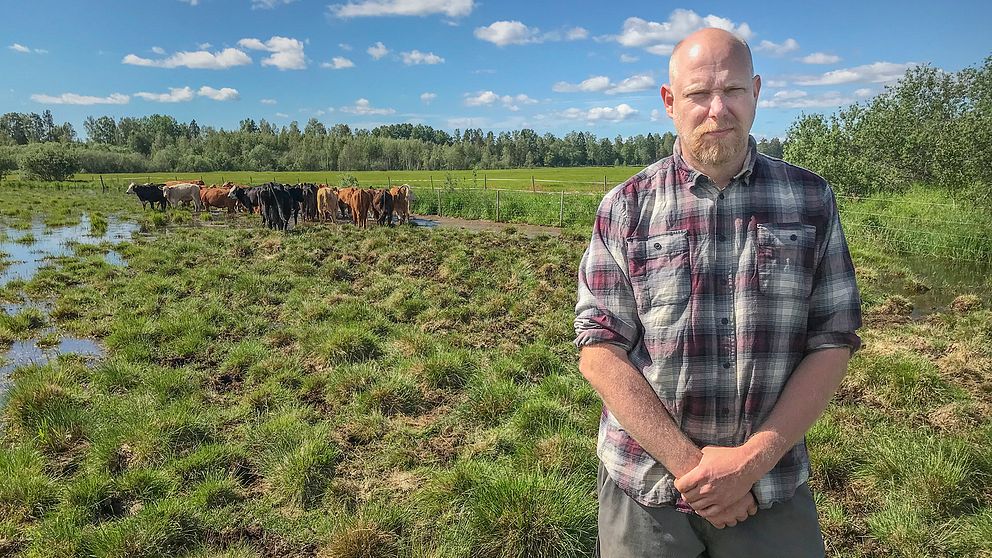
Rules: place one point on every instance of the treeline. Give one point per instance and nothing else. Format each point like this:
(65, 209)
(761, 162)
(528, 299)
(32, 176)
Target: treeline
(932, 127)
(161, 143)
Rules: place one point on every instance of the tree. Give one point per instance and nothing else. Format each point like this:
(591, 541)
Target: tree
(8, 163)
(49, 161)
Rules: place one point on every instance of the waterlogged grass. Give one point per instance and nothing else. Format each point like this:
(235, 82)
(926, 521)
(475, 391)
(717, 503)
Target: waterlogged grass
(409, 392)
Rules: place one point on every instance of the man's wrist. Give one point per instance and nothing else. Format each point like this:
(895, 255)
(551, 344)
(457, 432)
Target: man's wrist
(761, 454)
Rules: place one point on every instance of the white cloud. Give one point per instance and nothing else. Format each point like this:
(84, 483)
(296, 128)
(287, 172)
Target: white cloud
(602, 83)
(75, 99)
(427, 98)
(191, 2)
(628, 58)
(268, 101)
(820, 58)
(415, 57)
(879, 72)
(777, 49)
(619, 113)
(17, 47)
(798, 99)
(175, 95)
(362, 107)
(469, 122)
(200, 60)
(774, 83)
(576, 34)
(338, 63)
(158, 50)
(502, 33)
(374, 8)
(593, 84)
(864, 92)
(489, 98)
(222, 94)
(377, 50)
(282, 115)
(631, 84)
(268, 4)
(660, 38)
(287, 53)
(656, 115)
(204, 46)
(344, 46)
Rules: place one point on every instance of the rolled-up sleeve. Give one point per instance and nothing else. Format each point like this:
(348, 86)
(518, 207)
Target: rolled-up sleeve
(606, 311)
(835, 303)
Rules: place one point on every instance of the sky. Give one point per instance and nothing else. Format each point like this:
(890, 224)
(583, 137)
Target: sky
(553, 66)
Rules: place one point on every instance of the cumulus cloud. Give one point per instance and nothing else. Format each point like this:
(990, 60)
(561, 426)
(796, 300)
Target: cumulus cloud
(158, 50)
(268, 4)
(222, 94)
(175, 95)
(287, 53)
(879, 72)
(820, 58)
(660, 37)
(864, 92)
(774, 83)
(268, 101)
(619, 113)
(489, 98)
(415, 57)
(777, 49)
(75, 99)
(375, 8)
(602, 83)
(17, 47)
(628, 58)
(656, 115)
(363, 107)
(282, 115)
(799, 99)
(344, 46)
(338, 63)
(502, 33)
(377, 50)
(199, 60)
(191, 2)
(427, 98)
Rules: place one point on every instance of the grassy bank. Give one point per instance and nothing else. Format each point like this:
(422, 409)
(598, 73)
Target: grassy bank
(411, 392)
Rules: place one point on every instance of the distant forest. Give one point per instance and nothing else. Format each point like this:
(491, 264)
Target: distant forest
(161, 143)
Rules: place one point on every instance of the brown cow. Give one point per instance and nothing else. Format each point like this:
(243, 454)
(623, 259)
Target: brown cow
(217, 196)
(401, 202)
(358, 202)
(327, 204)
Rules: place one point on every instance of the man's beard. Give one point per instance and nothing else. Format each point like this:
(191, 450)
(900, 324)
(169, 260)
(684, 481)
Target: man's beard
(716, 151)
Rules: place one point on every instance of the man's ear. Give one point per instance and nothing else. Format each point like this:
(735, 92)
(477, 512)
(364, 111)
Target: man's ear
(757, 86)
(668, 98)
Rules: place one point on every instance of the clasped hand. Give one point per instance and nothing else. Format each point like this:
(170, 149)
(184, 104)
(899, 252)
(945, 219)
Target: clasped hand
(719, 487)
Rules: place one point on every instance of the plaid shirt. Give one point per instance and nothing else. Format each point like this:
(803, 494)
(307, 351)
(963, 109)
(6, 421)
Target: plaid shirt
(716, 296)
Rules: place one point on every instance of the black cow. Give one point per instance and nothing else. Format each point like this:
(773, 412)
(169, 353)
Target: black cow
(382, 207)
(309, 202)
(247, 197)
(148, 193)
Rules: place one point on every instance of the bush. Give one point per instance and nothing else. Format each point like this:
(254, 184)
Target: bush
(49, 161)
(8, 163)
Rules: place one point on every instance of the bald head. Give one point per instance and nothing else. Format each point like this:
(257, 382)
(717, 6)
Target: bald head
(710, 44)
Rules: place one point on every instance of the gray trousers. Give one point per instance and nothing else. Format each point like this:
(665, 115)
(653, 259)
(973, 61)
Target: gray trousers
(628, 529)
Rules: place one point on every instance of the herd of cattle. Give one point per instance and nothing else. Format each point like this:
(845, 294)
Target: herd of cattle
(278, 203)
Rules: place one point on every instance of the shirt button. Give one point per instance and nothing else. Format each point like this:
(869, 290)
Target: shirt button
(721, 196)
(725, 321)
(657, 246)
(793, 237)
(726, 365)
(723, 238)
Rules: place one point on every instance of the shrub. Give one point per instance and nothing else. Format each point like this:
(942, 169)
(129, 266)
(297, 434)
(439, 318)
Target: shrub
(49, 161)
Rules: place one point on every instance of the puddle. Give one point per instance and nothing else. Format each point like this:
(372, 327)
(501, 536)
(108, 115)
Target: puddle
(28, 352)
(946, 280)
(113, 257)
(25, 258)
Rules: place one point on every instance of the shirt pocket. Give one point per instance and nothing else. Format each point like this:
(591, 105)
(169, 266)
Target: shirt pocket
(785, 259)
(659, 269)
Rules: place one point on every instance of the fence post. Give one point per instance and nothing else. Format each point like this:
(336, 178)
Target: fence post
(561, 209)
(485, 184)
(103, 186)
(497, 205)
(432, 180)
(438, 192)
(389, 183)
(533, 187)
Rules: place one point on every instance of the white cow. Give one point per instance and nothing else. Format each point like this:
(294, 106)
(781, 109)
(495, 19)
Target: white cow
(184, 193)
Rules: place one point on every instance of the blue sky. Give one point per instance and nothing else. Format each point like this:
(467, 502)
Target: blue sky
(553, 66)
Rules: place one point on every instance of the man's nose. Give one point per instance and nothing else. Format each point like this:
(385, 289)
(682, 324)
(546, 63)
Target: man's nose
(717, 106)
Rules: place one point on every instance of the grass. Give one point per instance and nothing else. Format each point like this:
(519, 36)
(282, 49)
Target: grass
(410, 392)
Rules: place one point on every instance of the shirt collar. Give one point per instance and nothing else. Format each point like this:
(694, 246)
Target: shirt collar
(691, 176)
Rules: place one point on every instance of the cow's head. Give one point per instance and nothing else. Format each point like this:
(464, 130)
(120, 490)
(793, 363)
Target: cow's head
(130, 189)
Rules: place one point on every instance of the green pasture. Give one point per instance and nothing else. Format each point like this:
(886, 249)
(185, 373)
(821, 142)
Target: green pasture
(410, 392)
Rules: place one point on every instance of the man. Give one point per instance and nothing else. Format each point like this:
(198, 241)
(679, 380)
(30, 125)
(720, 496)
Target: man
(716, 315)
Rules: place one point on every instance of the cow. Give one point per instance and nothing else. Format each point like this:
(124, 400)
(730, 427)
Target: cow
(185, 192)
(217, 196)
(170, 183)
(148, 193)
(310, 202)
(402, 196)
(327, 204)
(382, 207)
